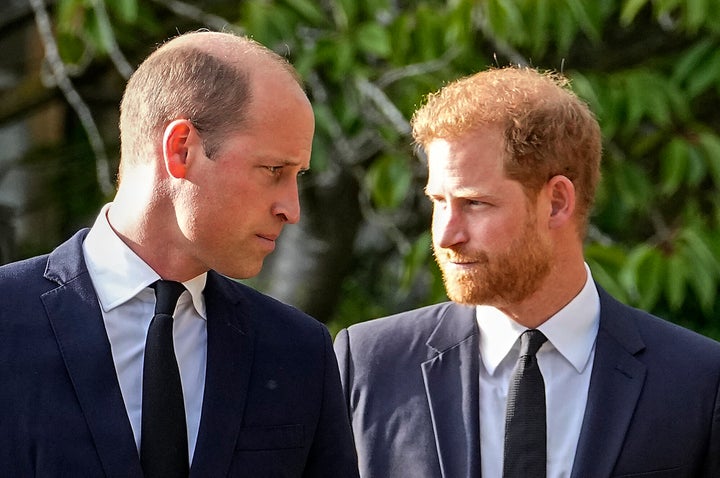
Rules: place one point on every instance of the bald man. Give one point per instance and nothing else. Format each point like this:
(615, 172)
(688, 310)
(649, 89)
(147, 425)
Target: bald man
(215, 129)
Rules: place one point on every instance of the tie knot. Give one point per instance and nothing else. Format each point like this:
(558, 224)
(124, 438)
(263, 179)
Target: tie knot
(530, 342)
(167, 293)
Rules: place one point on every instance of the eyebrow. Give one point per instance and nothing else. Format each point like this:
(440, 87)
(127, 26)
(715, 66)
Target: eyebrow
(284, 162)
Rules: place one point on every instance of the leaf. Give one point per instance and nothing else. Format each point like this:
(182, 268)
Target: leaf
(309, 12)
(505, 20)
(643, 274)
(630, 10)
(634, 95)
(101, 33)
(677, 280)
(584, 88)
(702, 249)
(126, 10)
(337, 56)
(459, 31)
(651, 279)
(257, 21)
(429, 32)
(612, 115)
(416, 259)
(539, 25)
(678, 102)
(70, 15)
(320, 154)
(401, 39)
(389, 181)
(70, 47)
(374, 39)
(605, 263)
(658, 108)
(674, 161)
(566, 29)
(629, 275)
(696, 12)
(706, 266)
(705, 76)
(282, 22)
(692, 59)
(666, 7)
(583, 18)
(697, 168)
(704, 288)
(634, 185)
(345, 13)
(710, 145)
(607, 281)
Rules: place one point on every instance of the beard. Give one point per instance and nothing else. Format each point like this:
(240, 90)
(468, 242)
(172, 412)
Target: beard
(508, 277)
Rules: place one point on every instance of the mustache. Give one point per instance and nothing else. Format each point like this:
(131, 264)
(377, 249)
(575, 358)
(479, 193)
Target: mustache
(456, 256)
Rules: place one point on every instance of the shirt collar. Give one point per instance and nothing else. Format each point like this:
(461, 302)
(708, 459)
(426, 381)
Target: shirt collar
(118, 274)
(571, 331)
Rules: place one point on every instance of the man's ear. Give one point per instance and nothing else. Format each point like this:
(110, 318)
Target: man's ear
(176, 145)
(562, 200)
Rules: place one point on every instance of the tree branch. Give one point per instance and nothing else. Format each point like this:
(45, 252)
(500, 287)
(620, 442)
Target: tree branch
(192, 12)
(116, 55)
(61, 78)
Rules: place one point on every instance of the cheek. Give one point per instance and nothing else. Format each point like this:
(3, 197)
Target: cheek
(436, 223)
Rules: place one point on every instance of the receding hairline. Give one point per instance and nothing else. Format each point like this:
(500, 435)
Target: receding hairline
(240, 51)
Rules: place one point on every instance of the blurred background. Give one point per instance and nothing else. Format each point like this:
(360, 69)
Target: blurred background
(650, 70)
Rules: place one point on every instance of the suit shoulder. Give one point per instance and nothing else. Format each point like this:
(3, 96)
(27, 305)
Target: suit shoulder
(655, 334)
(30, 265)
(410, 331)
(266, 308)
(424, 318)
(23, 273)
(674, 338)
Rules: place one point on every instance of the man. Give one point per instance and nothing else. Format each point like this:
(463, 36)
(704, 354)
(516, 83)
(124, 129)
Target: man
(215, 130)
(513, 158)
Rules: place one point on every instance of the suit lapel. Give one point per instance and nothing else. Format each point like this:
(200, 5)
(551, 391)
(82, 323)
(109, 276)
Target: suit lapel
(615, 385)
(229, 361)
(77, 322)
(452, 387)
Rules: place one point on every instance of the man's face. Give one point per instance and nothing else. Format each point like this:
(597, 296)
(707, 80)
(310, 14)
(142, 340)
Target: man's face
(234, 206)
(486, 236)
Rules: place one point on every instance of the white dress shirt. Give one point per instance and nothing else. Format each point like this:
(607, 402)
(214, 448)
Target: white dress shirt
(565, 361)
(121, 281)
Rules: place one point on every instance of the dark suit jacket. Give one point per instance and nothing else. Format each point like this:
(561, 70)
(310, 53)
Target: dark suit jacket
(411, 383)
(272, 405)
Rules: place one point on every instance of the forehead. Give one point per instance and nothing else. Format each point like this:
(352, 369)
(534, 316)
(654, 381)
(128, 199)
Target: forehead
(474, 157)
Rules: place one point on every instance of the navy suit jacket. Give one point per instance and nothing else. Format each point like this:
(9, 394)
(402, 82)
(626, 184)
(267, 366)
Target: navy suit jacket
(411, 384)
(272, 404)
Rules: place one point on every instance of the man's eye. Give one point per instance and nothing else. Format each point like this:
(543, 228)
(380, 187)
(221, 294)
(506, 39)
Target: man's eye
(274, 169)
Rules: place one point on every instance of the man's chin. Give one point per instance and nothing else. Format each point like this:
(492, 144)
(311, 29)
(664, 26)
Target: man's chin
(245, 271)
(465, 293)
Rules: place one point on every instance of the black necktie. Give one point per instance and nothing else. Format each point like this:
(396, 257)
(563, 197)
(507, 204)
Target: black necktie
(525, 436)
(163, 443)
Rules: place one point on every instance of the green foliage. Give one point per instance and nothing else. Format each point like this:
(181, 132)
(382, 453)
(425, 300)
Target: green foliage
(537, 25)
(649, 69)
(91, 29)
(388, 179)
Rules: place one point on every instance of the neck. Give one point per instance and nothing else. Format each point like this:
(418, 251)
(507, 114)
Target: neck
(562, 285)
(143, 217)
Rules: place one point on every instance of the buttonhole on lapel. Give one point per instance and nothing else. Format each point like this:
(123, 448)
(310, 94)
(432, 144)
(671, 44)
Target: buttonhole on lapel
(271, 384)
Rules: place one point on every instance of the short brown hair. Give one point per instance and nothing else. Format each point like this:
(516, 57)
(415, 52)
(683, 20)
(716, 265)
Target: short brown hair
(548, 130)
(191, 83)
